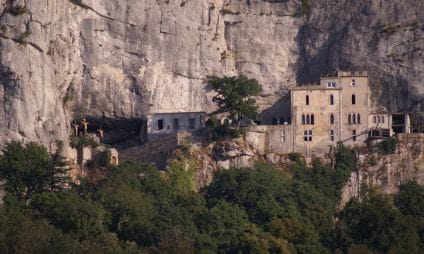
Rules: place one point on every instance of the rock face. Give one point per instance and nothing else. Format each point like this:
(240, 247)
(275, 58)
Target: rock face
(389, 171)
(122, 59)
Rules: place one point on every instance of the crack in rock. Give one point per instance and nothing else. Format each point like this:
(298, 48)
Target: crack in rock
(87, 7)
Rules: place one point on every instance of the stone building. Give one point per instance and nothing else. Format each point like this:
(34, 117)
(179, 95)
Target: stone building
(338, 109)
(163, 124)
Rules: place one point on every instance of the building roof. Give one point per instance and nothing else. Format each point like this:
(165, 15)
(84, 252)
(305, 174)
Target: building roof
(314, 87)
(339, 74)
(176, 113)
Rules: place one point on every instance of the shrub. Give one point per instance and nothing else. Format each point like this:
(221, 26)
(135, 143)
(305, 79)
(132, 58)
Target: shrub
(388, 146)
(83, 141)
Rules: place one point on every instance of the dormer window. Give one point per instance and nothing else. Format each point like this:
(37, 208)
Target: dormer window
(331, 84)
(353, 83)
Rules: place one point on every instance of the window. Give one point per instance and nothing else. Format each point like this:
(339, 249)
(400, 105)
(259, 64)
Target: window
(307, 135)
(176, 124)
(354, 118)
(303, 119)
(331, 135)
(191, 123)
(331, 84)
(374, 119)
(312, 119)
(160, 124)
(332, 118)
(307, 99)
(331, 99)
(382, 119)
(283, 136)
(349, 119)
(354, 135)
(353, 83)
(358, 119)
(353, 99)
(308, 119)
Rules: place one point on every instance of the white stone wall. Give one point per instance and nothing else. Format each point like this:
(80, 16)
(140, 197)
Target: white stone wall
(153, 131)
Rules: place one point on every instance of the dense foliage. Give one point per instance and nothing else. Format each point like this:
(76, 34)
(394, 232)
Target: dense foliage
(234, 96)
(134, 208)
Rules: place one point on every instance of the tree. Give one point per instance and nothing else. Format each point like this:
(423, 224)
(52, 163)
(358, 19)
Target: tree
(410, 199)
(234, 96)
(28, 169)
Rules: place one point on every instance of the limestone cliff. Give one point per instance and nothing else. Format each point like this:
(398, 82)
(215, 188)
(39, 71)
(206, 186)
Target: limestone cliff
(122, 59)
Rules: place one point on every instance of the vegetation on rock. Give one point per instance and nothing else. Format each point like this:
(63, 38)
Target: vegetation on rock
(134, 208)
(234, 96)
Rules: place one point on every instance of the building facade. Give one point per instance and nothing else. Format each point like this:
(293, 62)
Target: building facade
(162, 124)
(335, 110)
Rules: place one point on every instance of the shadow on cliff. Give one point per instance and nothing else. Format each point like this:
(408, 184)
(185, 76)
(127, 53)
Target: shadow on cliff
(120, 133)
(280, 108)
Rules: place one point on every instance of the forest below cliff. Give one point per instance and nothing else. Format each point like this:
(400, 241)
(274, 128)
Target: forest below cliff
(134, 208)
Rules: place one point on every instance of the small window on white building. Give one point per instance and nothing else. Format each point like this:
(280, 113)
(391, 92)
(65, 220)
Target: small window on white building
(382, 119)
(160, 124)
(353, 99)
(354, 135)
(354, 118)
(191, 123)
(353, 83)
(176, 124)
(307, 99)
(358, 118)
(312, 119)
(331, 135)
(283, 136)
(374, 119)
(331, 99)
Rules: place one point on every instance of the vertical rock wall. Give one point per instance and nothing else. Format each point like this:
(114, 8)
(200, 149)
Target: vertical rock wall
(122, 59)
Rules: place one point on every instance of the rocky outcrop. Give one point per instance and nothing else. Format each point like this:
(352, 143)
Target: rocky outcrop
(122, 59)
(387, 172)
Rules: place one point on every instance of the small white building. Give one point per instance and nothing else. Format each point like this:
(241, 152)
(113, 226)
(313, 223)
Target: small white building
(162, 124)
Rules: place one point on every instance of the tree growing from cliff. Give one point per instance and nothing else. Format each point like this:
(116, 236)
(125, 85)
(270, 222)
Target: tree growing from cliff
(235, 96)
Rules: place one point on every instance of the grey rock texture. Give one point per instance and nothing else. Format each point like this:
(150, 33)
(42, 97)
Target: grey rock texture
(122, 59)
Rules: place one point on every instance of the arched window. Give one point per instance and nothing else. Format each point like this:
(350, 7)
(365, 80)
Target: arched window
(332, 118)
(312, 119)
(353, 83)
(349, 119)
(307, 99)
(308, 119)
(331, 99)
(303, 119)
(353, 99)
(358, 119)
(354, 118)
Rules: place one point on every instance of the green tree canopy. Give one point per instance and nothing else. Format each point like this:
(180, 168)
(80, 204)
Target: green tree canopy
(234, 96)
(28, 169)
